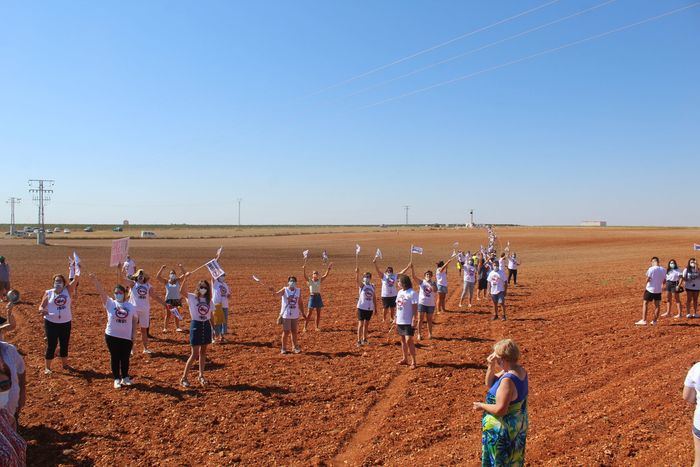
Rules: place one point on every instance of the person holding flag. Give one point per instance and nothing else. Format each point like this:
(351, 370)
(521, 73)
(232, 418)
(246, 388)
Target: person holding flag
(173, 300)
(389, 291)
(222, 294)
(469, 279)
(406, 305)
(56, 310)
(200, 304)
(140, 296)
(291, 309)
(366, 304)
(441, 276)
(426, 300)
(315, 300)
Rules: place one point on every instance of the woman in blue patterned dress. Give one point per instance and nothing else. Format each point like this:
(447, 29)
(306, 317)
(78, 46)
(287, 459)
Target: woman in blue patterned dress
(505, 420)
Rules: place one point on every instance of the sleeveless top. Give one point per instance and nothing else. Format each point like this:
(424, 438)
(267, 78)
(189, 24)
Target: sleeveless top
(314, 286)
(172, 291)
(521, 385)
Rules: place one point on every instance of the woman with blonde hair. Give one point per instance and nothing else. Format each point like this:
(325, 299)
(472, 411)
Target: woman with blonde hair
(505, 420)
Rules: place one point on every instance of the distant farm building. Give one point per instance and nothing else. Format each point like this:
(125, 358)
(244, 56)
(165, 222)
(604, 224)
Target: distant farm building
(594, 224)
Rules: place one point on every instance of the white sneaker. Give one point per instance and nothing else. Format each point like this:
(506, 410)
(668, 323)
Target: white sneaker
(47, 371)
(297, 349)
(127, 381)
(653, 323)
(147, 351)
(117, 383)
(641, 322)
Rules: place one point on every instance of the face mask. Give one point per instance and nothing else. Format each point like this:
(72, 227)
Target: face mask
(119, 297)
(692, 265)
(292, 284)
(654, 263)
(672, 265)
(365, 280)
(173, 277)
(58, 285)
(203, 290)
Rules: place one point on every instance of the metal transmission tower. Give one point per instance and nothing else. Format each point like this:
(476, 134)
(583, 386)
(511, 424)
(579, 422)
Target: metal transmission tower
(12, 202)
(239, 209)
(406, 208)
(42, 195)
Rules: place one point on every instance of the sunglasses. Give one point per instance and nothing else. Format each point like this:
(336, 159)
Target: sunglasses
(5, 385)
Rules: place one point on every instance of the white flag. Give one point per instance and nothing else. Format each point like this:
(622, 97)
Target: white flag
(214, 269)
(357, 249)
(71, 268)
(417, 250)
(324, 255)
(255, 278)
(696, 247)
(218, 252)
(77, 263)
(305, 253)
(378, 254)
(175, 312)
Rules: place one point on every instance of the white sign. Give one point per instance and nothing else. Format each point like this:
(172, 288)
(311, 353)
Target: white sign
(120, 250)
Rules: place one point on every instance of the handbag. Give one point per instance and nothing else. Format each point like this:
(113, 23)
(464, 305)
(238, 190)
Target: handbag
(279, 319)
(680, 289)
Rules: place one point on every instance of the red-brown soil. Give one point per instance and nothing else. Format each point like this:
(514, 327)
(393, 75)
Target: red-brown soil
(603, 392)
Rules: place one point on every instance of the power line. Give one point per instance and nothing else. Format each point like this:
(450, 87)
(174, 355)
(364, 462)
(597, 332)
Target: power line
(530, 57)
(42, 195)
(478, 49)
(12, 201)
(434, 47)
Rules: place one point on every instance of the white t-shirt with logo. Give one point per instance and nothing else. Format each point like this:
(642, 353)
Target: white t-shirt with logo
(139, 296)
(120, 319)
(692, 380)
(656, 275)
(498, 280)
(512, 263)
(200, 310)
(673, 275)
(426, 296)
(290, 303)
(692, 279)
(366, 298)
(15, 363)
(221, 291)
(469, 273)
(58, 306)
(406, 305)
(389, 285)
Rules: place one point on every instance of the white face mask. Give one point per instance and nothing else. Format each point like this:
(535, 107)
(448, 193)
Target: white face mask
(292, 284)
(203, 291)
(672, 265)
(365, 280)
(4, 398)
(58, 285)
(173, 277)
(119, 297)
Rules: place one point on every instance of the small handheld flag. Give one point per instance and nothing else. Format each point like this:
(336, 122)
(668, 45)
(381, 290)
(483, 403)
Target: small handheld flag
(357, 249)
(306, 254)
(324, 256)
(696, 247)
(416, 249)
(378, 254)
(256, 278)
(77, 263)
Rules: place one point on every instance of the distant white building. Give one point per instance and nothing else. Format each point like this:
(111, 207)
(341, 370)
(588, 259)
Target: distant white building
(594, 224)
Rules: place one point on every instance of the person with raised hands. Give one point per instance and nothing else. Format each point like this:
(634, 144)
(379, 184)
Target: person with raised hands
(222, 295)
(56, 309)
(469, 272)
(406, 310)
(366, 305)
(140, 295)
(441, 276)
(315, 300)
(173, 298)
(121, 321)
(389, 291)
(291, 309)
(201, 305)
(427, 289)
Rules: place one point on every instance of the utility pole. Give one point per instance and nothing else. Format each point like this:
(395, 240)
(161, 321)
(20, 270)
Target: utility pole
(239, 210)
(41, 195)
(12, 201)
(406, 208)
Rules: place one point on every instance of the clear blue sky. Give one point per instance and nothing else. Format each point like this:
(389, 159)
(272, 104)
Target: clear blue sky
(165, 111)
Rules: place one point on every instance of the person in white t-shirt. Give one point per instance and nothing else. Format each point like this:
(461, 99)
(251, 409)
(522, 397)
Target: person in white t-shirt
(656, 277)
(58, 317)
(673, 280)
(469, 273)
(128, 268)
(389, 290)
(366, 304)
(173, 298)
(291, 310)
(691, 280)
(513, 264)
(140, 295)
(499, 284)
(406, 311)
(426, 300)
(441, 279)
(121, 320)
(691, 390)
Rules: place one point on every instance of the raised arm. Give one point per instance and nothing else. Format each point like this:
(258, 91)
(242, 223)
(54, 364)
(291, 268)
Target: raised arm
(410, 265)
(376, 266)
(413, 275)
(445, 265)
(182, 271)
(159, 276)
(357, 277)
(11, 324)
(303, 269)
(328, 271)
(155, 297)
(183, 284)
(98, 286)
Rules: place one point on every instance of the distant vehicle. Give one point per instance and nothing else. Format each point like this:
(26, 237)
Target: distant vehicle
(117, 229)
(383, 226)
(88, 229)
(36, 231)
(57, 229)
(66, 231)
(147, 234)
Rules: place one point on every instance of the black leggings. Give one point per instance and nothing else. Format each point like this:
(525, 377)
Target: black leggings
(514, 274)
(120, 351)
(56, 333)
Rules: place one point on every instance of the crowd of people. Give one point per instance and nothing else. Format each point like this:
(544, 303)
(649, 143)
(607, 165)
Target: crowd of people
(674, 281)
(409, 303)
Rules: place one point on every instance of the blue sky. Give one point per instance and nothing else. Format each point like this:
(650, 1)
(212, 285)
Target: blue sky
(162, 112)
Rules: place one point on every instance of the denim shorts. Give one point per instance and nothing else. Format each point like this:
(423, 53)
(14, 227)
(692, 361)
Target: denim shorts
(426, 308)
(442, 289)
(499, 297)
(315, 301)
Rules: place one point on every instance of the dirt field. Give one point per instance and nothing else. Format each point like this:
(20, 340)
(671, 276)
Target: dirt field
(602, 392)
